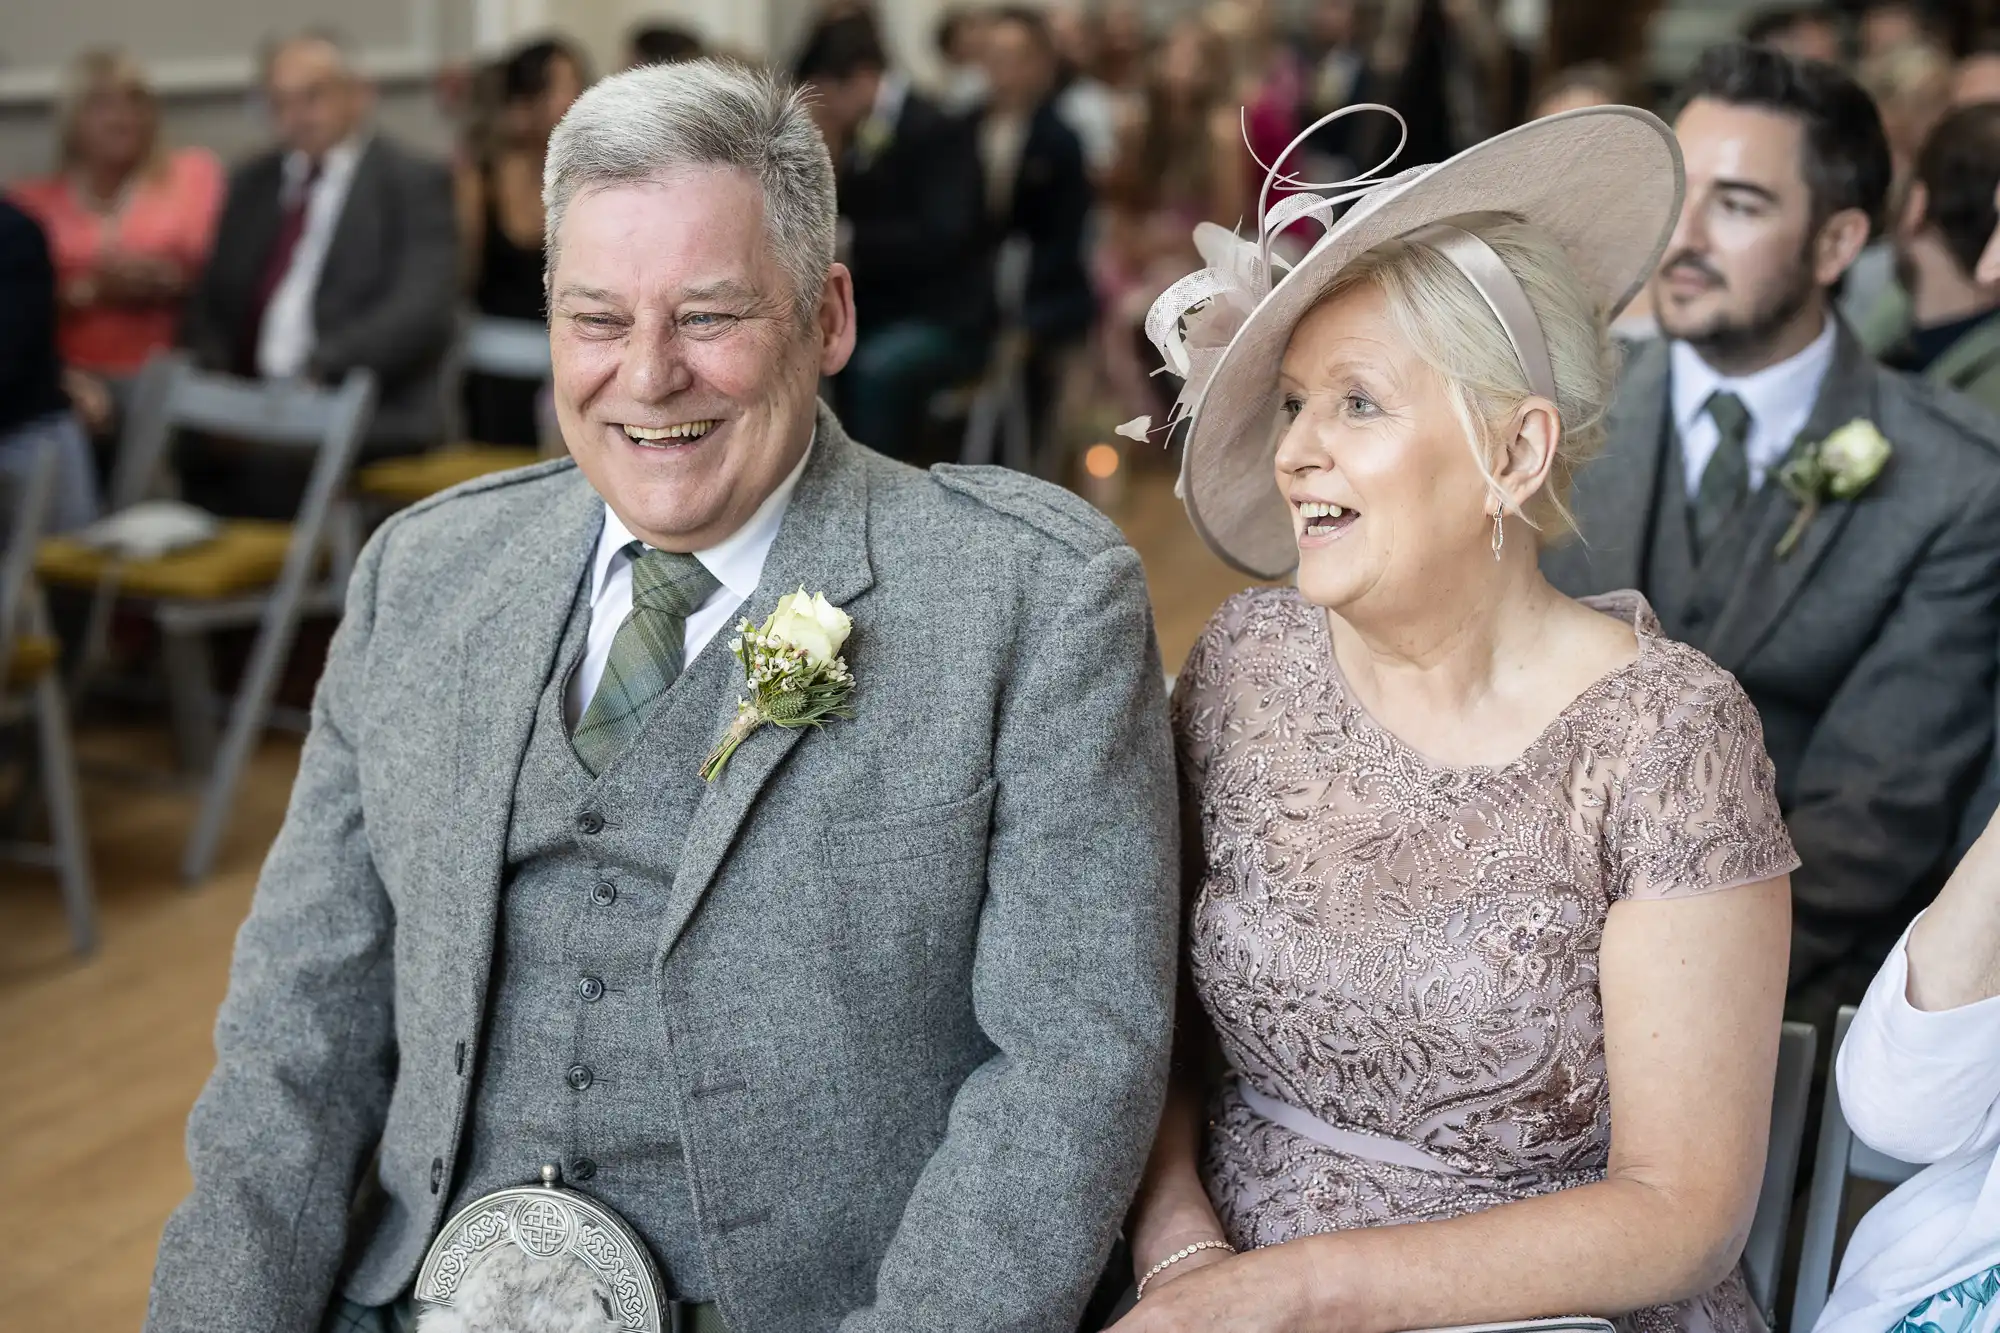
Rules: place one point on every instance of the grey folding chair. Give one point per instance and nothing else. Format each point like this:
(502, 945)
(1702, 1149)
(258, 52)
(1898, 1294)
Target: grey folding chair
(999, 415)
(1841, 1157)
(30, 683)
(1764, 1252)
(516, 348)
(253, 573)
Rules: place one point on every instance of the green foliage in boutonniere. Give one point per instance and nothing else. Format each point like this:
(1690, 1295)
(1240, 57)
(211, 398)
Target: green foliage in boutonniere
(872, 139)
(793, 669)
(1840, 467)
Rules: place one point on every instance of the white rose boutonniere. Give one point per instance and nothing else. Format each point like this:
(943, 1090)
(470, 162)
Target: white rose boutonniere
(1840, 467)
(793, 669)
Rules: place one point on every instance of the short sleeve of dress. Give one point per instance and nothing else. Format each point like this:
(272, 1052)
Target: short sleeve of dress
(1199, 707)
(1697, 810)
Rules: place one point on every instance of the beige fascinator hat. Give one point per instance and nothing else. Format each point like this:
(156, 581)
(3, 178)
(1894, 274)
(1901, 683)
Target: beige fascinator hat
(1605, 182)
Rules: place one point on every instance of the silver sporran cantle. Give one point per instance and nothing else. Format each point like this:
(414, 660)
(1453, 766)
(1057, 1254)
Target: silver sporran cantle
(535, 1258)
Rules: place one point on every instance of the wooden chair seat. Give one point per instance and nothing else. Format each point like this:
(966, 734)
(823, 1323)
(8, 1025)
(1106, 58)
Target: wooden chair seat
(245, 556)
(35, 656)
(404, 481)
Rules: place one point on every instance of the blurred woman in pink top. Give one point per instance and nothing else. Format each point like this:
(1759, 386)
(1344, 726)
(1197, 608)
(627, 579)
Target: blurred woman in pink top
(129, 223)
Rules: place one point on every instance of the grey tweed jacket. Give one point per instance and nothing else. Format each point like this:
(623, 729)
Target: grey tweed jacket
(919, 966)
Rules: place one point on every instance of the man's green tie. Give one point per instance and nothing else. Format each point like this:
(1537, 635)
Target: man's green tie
(646, 653)
(1725, 482)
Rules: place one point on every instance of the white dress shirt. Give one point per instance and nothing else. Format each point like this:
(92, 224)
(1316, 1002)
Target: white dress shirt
(285, 339)
(1921, 1087)
(737, 562)
(1780, 399)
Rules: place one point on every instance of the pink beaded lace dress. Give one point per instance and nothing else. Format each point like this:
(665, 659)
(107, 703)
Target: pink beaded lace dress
(1407, 953)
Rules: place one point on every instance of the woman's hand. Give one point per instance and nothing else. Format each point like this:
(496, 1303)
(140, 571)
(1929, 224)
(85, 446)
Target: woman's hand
(1262, 1291)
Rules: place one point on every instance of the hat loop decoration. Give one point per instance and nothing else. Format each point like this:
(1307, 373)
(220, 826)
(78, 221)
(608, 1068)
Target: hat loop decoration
(1237, 273)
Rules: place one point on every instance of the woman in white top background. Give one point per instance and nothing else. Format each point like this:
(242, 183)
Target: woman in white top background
(1920, 1080)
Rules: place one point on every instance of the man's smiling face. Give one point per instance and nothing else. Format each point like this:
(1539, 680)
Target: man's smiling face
(684, 379)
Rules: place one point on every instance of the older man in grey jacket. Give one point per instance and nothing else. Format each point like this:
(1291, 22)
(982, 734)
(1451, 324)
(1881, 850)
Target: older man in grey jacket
(870, 1032)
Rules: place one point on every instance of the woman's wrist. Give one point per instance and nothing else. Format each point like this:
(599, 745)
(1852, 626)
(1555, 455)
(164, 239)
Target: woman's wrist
(1188, 1256)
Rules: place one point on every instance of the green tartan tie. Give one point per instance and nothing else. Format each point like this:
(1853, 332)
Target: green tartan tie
(1725, 482)
(645, 655)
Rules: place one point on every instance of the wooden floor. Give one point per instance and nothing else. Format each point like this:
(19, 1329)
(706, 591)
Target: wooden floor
(104, 1058)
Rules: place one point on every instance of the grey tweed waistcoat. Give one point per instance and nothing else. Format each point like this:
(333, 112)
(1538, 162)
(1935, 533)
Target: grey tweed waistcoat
(1689, 595)
(575, 1052)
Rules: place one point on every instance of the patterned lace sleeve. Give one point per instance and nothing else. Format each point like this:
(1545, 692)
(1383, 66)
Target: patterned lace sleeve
(1697, 810)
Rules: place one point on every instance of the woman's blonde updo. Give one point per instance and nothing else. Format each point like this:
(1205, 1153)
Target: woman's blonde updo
(1448, 322)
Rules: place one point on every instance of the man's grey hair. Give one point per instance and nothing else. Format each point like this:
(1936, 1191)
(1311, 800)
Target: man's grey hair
(704, 113)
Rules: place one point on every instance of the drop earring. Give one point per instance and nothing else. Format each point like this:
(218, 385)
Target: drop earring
(1499, 528)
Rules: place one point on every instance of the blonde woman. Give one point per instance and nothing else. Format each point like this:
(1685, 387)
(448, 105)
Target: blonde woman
(129, 221)
(1488, 888)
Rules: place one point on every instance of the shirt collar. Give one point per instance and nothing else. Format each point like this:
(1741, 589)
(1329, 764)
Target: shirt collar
(737, 561)
(889, 96)
(1773, 394)
(340, 160)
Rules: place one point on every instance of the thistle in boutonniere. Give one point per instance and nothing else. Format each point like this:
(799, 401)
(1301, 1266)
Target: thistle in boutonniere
(793, 669)
(1840, 467)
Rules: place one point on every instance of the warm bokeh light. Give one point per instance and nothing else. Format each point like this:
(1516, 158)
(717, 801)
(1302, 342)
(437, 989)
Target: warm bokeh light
(1101, 460)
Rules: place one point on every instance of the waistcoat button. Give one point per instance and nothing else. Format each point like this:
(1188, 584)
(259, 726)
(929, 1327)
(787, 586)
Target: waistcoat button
(591, 989)
(590, 822)
(604, 893)
(579, 1077)
(582, 1169)
(437, 1173)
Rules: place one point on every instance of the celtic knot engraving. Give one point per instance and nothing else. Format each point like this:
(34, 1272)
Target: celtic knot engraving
(597, 1247)
(542, 1227)
(474, 1236)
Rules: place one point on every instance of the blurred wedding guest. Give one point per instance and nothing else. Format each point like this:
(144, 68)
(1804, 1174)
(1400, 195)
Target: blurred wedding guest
(912, 210)
(34, 412)
(1947, 327)
(129, 222)
(1331, 48)
(1592, 84)
(1037, 188)
(499, 197)
(1884, 25)
(1480, 879)
(336, 249)
(1451, 70)
(1181, 161)
(1828, 531)
(1920, 1081)
(1911, 85)
(1976, 78)
(1807, 32)
(960, 37)
(660, 44)
(1089, 106)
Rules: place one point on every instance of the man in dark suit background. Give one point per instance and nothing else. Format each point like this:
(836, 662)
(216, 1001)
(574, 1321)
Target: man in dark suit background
(335, 250)
(1038, 189)
(913, 221)
(1864, 631)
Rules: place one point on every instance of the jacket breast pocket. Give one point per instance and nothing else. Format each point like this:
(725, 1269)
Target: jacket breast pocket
(916, 874)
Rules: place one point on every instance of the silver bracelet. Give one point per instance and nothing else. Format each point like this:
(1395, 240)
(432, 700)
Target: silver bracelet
(1186, 1251)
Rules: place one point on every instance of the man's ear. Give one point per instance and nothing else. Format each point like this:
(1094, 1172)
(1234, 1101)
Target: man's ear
(1916, 209)
(1839, 243)
(834, 321)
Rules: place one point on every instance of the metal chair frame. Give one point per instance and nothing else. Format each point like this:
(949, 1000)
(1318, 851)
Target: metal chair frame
(172, 396)
(1841, 1157)
(1764, 1251)
(22, 612)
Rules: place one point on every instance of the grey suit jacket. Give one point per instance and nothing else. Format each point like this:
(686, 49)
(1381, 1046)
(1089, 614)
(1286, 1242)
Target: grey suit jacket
(386, 295)
(1869, 650)
(919, 966)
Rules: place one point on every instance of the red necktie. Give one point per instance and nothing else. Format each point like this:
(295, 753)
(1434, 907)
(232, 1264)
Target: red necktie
(291, 226)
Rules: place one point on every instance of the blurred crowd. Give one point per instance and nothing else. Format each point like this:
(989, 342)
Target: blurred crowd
(1093, 139)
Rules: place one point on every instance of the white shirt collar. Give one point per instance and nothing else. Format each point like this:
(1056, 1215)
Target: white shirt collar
(340, 160)
(890, 94)
(1783, 393)
(737, 561)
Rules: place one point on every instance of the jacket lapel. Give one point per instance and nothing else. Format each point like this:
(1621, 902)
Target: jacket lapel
(822, 546)
(1766, 585)
(1973, 356)
(515, 618)
(1619, 492)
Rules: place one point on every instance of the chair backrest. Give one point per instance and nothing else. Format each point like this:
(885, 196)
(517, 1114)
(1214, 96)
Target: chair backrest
(516, 348)
(1841, 1156)
(32, 490)
(172, 395)
(1764, 1252)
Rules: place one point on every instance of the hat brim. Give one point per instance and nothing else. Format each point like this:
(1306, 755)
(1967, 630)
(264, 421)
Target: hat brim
(1605, 182)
